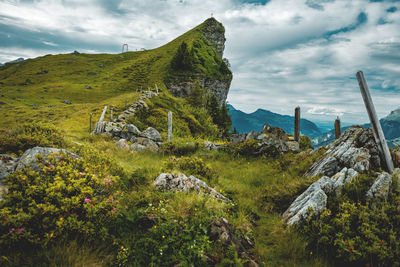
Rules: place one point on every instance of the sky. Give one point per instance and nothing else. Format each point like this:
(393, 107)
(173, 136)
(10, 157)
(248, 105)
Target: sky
(283, 53)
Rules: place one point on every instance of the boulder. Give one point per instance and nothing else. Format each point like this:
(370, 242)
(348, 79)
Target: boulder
(252, 135)
(7, 165)
(237, 138)
(293, 146)
(180, 182)
(137, 147)
(122, 143)
(274, 133)
(30, 157)
(381, 187)
(133, 129)
(210, 146)
(152, 134)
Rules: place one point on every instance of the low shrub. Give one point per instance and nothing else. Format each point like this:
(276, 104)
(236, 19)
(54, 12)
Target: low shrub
(69, 198)
(246, 148)
(26, 136)
(189, 165)
(179, 148)
(305, 143)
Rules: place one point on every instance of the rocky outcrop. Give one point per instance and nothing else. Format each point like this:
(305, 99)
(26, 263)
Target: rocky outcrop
(223, 232)
(355, 149)
(133, 108)
(353, 153)
(272, 141)
(180, 182)
(214, 36)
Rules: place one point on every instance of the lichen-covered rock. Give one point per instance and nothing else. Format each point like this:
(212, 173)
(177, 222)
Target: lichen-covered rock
(138, 147)
(147, 143)
(355, 149)
(180, 182)
(7, 165)
(122, 143)
(210, 146)
(274, 133)
(314, 197)
(133, 129)
(381, 187)
(152, 134)
(343, 177)
(30, 157)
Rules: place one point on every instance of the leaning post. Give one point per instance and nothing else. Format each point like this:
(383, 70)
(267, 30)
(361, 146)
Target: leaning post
(297, 124)
(337, 128)
(169, 126)
(376, 126)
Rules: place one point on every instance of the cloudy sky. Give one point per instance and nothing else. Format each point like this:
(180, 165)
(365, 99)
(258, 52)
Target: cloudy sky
(283, 53)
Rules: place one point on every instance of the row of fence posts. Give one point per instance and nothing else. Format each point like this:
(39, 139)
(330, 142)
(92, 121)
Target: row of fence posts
(373, 117)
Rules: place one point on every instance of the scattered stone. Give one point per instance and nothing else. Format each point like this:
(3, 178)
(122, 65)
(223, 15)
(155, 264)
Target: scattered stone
(41, 72)
(66, 102)
(381, 187)
(101, 66)
(252, 135)
(34, 106)
(88, 86)
(237, 138)
(29, 158)
(122, 143)
(180, 182)
(152, 134)
(91, 73)
(210, 146)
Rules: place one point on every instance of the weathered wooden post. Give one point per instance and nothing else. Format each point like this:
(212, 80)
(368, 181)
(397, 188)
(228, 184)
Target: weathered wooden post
(297, 124)
(169, 126)
(111, 113)
(376, 126)
(90, 123)
(157, 89)
(99, 127)
(337, 128)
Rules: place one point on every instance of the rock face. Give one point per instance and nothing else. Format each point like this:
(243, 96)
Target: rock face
(180, 182)
(214, 35)
(353, 153)
(355, 149)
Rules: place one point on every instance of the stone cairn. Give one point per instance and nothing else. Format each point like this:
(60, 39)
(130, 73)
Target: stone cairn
(124, 132)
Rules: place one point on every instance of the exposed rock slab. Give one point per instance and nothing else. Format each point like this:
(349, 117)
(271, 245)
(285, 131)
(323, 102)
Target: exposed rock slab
(180, 182)
(355, 149)
(381, 187)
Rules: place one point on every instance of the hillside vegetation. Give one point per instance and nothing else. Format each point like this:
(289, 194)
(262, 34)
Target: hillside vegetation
(98, 205)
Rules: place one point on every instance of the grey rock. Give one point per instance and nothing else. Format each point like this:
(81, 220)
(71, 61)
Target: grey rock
(355, 149)
(3, 191)
(88, 86)
(133, 129)
(137, 147)
(152, 134)
(180, 182)
(122, 143)
(7, 165)
(237, 138)
(381, 187)
(210, 146)
(253, 135)
(314, 197)
(66, 102)
(293, 146)
(30, 157)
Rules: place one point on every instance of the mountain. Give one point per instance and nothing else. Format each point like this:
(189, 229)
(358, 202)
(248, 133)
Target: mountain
(13, 61)
(244, 122)
(390, 126)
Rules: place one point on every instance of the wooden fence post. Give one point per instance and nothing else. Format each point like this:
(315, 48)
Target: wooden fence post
(99, 127)
(157, 89)
(90, 123)
(297, 124)
(337, 128)
(169, 126)
(111, 114)
(376, 126)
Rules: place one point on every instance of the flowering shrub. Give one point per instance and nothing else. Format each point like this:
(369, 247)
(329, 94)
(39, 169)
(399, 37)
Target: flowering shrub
(27, 136)
(68, 198)
(357, 233)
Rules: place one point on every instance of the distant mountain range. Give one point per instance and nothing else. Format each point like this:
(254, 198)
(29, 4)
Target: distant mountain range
(246, 122)
(390, 126)
(13, 61)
